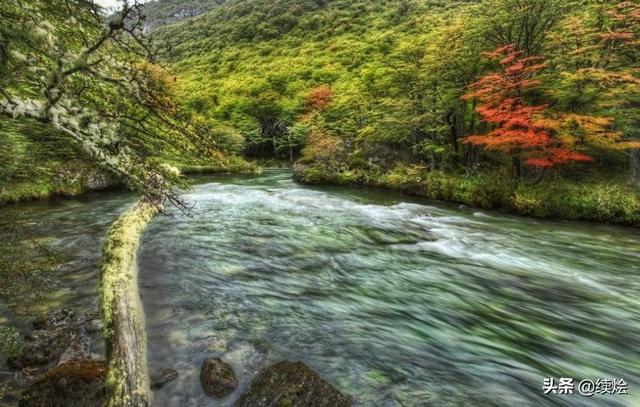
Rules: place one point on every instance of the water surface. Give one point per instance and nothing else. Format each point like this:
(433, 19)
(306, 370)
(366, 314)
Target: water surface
(399, 302)
(73, 229)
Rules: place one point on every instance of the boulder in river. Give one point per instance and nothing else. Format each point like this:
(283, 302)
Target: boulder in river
(217, 378)
(80, 383)
(292, 384)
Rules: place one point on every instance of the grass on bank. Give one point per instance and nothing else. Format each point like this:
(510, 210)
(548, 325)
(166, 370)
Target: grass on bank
(612, 200)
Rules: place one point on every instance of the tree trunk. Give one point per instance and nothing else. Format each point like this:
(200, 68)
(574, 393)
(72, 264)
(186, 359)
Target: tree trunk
(515, 167)
(635, 166)
(290, 147)
(471, 156)
(454, 127)
(127, 375)
(275, 146)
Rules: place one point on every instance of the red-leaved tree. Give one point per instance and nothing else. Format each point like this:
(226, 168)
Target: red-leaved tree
(519, 128)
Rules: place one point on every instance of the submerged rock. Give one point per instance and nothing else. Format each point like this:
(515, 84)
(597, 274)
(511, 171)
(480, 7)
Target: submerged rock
(42, 348)
(61, 318)
(80, 383)
(217, 378)
(59, 337)
(292, 384)
(160, 379)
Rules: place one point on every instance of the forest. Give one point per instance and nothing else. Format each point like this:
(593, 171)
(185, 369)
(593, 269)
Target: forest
(488, 103)
(262, 181)
(436, 98)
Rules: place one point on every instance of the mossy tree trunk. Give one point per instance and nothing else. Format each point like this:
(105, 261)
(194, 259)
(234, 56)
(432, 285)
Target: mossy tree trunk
(127, 375)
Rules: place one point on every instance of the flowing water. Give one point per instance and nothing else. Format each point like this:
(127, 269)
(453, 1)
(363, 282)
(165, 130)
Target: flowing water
(396, 301)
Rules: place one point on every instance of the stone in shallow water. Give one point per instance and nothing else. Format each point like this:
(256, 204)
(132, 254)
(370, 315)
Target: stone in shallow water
(217, 378)
(74, 384)
(59, 337)
(160, 379)
(292, 384)
(42, 348)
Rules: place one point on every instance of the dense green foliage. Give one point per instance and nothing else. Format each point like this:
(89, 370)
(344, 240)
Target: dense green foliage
(395, 74)
(38, 162)
(370, 87)
(397, 69)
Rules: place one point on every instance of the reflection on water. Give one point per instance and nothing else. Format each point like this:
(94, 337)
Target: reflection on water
(397, 302)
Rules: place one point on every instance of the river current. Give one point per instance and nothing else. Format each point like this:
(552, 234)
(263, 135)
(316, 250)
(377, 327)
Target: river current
(398, 302)
(394, 300)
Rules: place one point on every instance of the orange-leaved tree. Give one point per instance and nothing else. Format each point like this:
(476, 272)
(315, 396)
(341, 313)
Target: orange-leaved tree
(319, 97)
(519, 128)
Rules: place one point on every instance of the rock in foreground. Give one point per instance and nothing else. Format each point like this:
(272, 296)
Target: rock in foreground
(217, 378)
(292, 384)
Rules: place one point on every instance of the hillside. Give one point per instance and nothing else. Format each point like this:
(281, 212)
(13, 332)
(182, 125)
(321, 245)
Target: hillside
(363, 92)
(249, 64)
(382, 93)
(164, 12)
(102, 112)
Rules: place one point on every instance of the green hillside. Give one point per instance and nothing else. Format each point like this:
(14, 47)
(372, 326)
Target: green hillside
(361, 91)
(492, 98)
(102, 112)
(249, 64)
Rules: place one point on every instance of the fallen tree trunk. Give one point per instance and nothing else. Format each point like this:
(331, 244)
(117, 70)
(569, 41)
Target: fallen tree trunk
(127, 376)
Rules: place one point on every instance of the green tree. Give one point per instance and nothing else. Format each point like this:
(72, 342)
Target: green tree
(92, 79)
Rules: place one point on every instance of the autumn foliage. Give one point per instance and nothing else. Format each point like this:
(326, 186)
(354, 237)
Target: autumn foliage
(319, 98)
(626, 18)
(519, 128)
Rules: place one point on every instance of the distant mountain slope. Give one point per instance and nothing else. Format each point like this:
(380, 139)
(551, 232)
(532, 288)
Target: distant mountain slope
(164, 12)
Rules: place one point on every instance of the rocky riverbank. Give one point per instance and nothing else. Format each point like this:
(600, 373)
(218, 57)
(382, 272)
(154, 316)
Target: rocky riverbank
(60, 362)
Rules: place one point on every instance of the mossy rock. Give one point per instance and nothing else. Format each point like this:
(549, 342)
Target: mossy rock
(217, 378)
(75, 384)
(292, 384)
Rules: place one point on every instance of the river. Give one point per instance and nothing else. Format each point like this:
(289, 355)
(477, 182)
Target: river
(394, 300)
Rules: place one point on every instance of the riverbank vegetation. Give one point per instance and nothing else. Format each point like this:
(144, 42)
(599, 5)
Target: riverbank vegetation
(539, 96)
(531, 107)
(598, 200)
(536, 95)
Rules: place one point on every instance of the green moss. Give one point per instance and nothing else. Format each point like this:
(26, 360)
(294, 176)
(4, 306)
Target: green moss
(11, 343)
(119, 278)
(118, 256)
